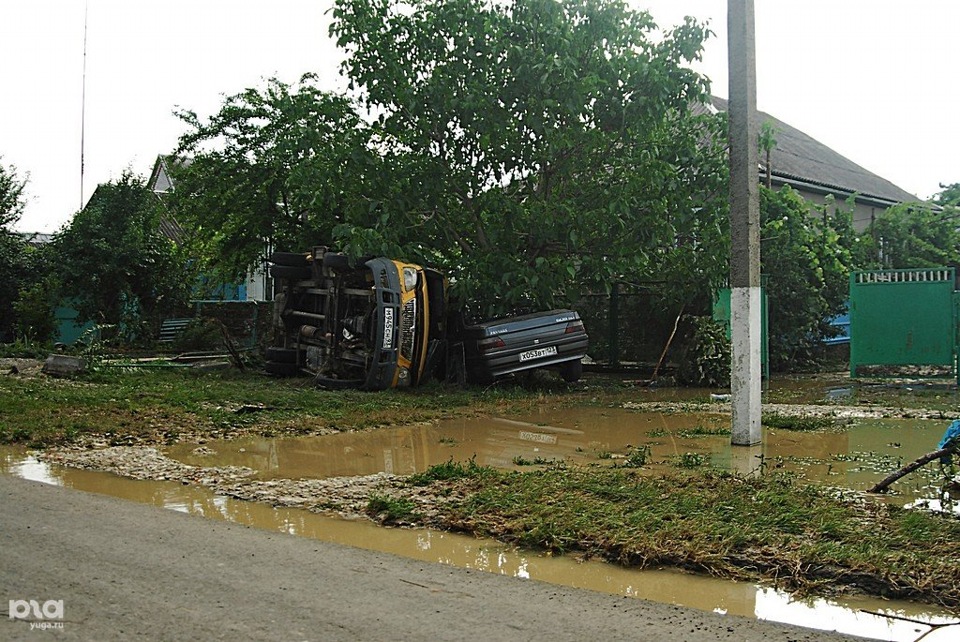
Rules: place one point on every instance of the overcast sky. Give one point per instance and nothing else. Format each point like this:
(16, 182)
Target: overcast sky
(877, 80)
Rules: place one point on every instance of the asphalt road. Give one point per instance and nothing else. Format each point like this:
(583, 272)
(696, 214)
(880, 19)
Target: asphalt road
(129, 571)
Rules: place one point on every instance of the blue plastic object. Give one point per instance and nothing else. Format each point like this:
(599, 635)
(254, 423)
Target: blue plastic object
(953, 432)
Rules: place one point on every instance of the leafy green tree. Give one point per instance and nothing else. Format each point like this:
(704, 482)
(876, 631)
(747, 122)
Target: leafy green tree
(806, 258)
(948, 195)
(12, 196)
(12, 251)
(535, 148)
(14, 264)
(916, 236)
(35, 307)
(115, 264)
(272, 169)
(767, 141)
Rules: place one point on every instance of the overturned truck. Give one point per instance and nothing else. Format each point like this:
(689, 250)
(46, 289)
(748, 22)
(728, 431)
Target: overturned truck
(381, 323)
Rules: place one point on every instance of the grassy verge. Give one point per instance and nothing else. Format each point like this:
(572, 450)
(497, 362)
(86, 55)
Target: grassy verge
(159, 405)
(164, 405)
(805, 538)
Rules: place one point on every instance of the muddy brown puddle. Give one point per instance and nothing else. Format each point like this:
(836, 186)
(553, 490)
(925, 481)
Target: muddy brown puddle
(854, 458)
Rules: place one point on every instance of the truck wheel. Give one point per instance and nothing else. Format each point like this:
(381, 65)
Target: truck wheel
(336, 261)
(289, 259)
(290, 272)
(571, 371)
(282, 355)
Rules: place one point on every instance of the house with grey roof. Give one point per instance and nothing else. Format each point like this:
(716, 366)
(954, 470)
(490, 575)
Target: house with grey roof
(817, 172)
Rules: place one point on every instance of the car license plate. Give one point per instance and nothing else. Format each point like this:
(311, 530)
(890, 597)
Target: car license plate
(539, 352)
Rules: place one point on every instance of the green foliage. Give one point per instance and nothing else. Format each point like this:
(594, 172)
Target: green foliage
(916, 236)
(683, 519)
(587, 166)
(798, 424)
(446, 471)
(706, 359)
(274, 168)
(806, 256)
(35, 309)
(15, 263)
(12, 251)
(948, 195)
(637, 457)
(692, 460)
(703, 431)
(201, 334)
(115, 264)
(767, 141)
(33, 288)
(391, 509)
(25, 347)
(12, 196)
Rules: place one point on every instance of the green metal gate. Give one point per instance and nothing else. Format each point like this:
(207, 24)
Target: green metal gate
(903, 318)
(722, 314)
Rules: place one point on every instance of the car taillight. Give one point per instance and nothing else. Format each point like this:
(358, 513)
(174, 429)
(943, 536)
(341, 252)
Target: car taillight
(485, 345)
(574, 327)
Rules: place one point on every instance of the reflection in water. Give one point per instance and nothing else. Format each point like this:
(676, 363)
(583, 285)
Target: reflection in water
(855, 459)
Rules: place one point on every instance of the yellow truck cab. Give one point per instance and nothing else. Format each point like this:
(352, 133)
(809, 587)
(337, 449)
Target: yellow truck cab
(374, 324)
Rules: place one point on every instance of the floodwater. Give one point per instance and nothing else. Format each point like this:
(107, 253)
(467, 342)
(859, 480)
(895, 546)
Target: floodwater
(856, 458)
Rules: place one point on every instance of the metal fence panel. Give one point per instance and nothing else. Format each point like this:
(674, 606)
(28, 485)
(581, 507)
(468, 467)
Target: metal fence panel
(902, 318)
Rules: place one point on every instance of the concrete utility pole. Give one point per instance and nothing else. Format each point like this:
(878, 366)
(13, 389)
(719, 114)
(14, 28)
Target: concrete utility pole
(744, 225)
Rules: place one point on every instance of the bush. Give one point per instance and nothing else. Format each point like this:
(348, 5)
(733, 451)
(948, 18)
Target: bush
(706, 360)
(201, 335)
(34, 311)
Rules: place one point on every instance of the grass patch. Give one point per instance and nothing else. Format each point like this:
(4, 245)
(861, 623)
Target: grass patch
(799, 424)
(719, 523)
(637, 457)
(703, 431)
(692, 460)
(447, 471)
(155, 405)
(391, 509)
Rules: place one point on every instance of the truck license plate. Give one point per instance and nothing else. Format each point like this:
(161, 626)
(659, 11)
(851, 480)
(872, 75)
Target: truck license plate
(388, 328)
(539, 352)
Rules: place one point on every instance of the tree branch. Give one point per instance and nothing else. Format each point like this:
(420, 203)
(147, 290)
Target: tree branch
(950, 449)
